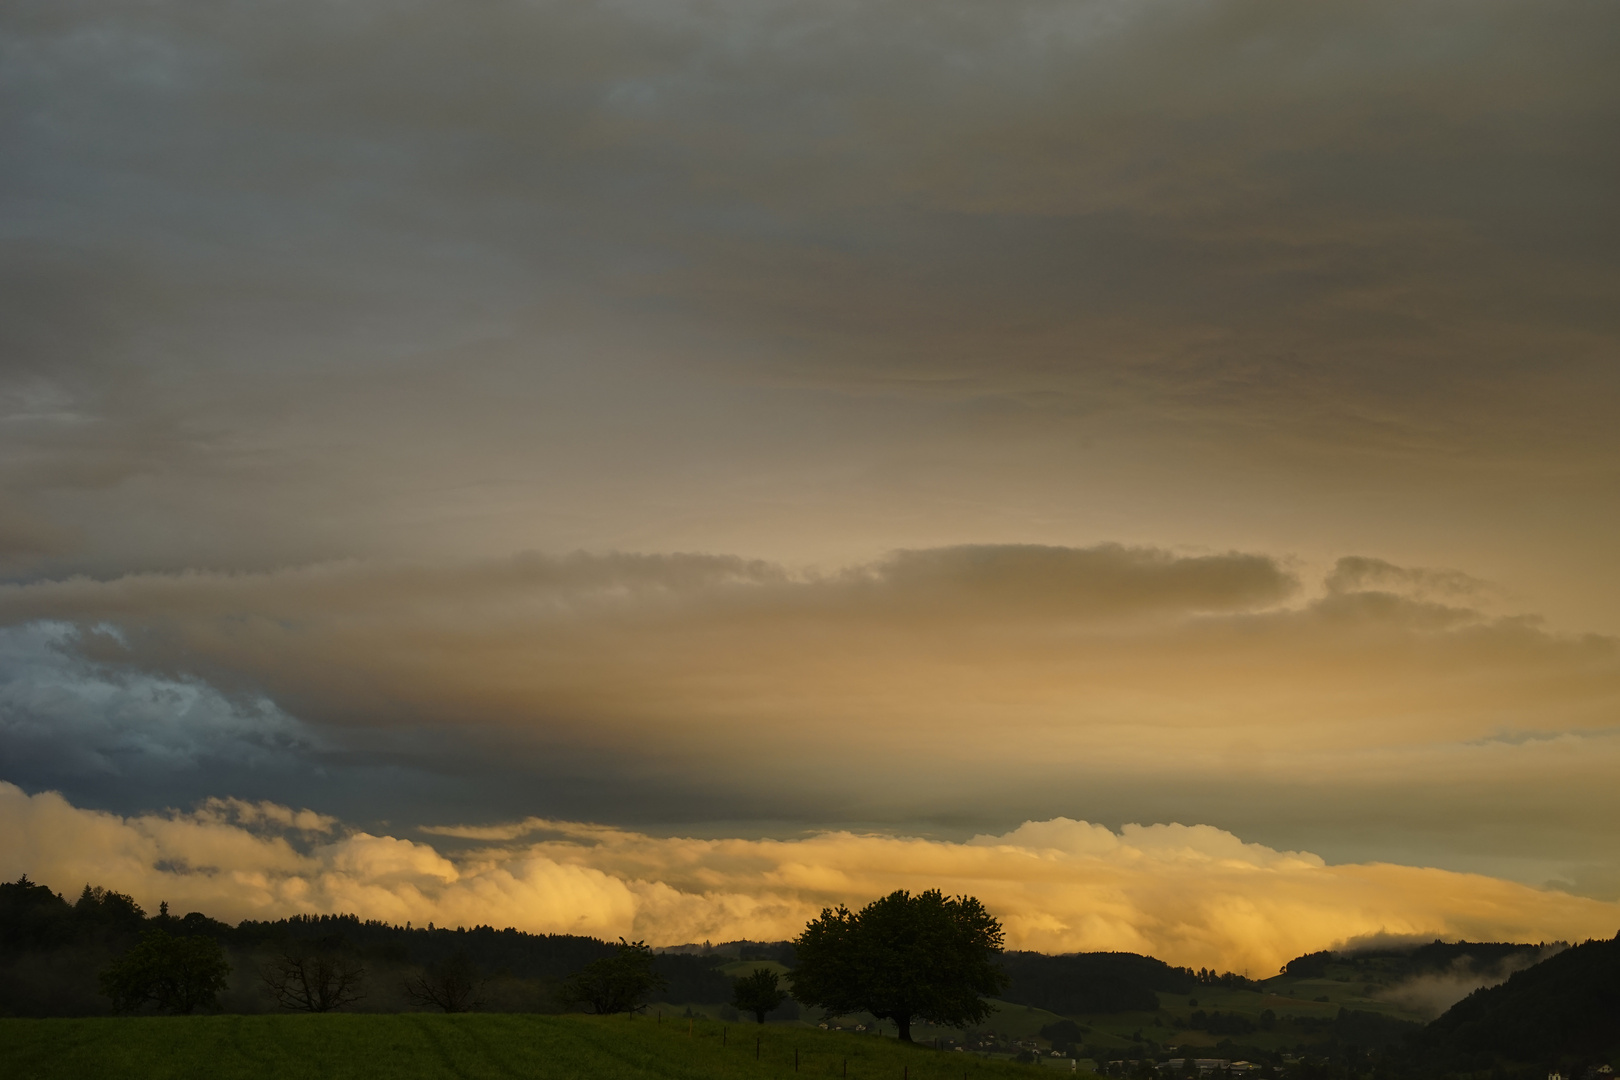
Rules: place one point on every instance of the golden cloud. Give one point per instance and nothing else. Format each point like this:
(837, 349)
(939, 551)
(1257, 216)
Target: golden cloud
(1190, 894)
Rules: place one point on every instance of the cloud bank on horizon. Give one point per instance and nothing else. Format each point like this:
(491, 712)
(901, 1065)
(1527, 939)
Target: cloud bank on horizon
(1192, 895)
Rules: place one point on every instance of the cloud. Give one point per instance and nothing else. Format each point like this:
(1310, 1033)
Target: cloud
(632, 639)
(1117, 647)
(1193, 895)
(67, 714)
(968, 686)
(1355, 573)
(262, 815)
(389, 279)
(1110, 581)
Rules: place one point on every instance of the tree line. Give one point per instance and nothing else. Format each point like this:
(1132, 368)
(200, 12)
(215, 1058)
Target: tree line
(59, 955)
(54, 953)
(902, 958)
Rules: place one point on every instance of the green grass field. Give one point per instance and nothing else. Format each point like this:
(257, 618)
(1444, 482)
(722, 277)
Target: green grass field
(471, 1046)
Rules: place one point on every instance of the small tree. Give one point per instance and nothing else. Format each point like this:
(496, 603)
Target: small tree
(758, 992)
(615, 984)
(451, 985)
(317, 979)
(903, 957)
(175, 974)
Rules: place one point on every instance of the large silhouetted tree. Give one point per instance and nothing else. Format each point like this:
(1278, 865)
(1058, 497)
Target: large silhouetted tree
(926, 957)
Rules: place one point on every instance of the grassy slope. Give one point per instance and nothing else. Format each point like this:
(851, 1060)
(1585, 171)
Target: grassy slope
(405, 1046)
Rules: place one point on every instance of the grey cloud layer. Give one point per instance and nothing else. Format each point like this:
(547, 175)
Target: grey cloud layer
(1229, 200)
(303, 283)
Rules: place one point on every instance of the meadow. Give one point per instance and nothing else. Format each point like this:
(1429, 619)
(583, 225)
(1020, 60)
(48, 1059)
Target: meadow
(467, 1046)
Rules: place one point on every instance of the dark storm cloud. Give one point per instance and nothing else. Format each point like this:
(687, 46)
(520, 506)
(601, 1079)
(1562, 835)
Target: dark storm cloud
(70, 721)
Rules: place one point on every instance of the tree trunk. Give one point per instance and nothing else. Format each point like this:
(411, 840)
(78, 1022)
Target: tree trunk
(903, 1026)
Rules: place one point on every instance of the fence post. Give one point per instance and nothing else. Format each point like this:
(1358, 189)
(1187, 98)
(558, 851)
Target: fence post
(756, 1047)
(795, 1059)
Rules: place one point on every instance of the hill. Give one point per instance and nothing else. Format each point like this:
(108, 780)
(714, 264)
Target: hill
(1559, 1015)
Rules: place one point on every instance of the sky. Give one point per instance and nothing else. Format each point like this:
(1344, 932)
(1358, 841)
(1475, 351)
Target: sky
(662, 467)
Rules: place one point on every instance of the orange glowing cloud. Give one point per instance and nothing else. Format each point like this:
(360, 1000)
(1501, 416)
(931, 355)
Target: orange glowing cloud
(1190, 894)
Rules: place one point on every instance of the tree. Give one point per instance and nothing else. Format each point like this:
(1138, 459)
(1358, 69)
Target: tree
(317, 979)
(926, 957)
(615, 984)
(32, 917)
(176, 974)
(758, 993)
(451, 985)
(112, 915)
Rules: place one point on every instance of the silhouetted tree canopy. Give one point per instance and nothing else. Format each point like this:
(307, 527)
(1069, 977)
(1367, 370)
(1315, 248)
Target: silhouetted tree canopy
(1310, 966)
(1077, 983)
(758, 992)
(903, 958)
(175, 974)
(614, 984)
(33, 917)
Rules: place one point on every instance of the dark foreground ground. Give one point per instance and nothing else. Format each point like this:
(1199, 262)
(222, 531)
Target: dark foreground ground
(469, 1046)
